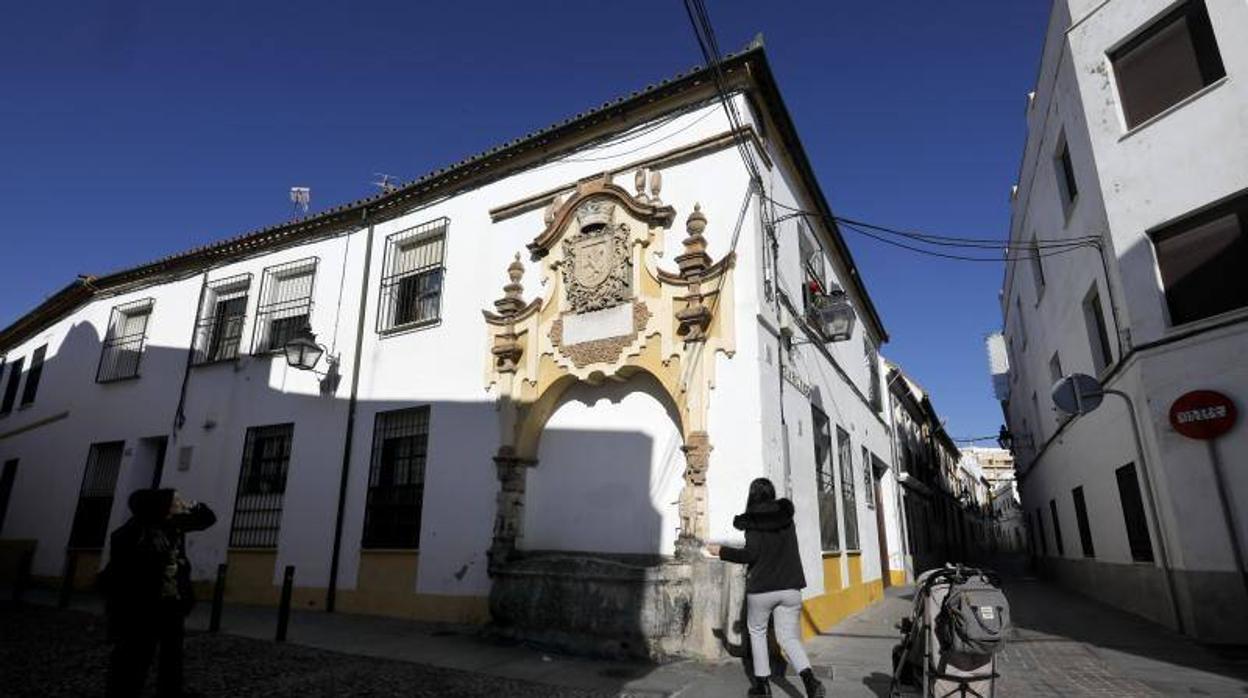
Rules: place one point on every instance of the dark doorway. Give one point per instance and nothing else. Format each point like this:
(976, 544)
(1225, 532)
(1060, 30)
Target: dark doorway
(880, 526)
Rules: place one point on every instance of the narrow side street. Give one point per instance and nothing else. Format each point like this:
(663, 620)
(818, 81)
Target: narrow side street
(1064, 645)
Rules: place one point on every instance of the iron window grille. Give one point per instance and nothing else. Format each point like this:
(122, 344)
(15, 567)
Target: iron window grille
(222, 313)
(868, 482)
(396, 479)
(261, 486)
(1081, 518)
(1057, 528)
(95, 496)
(10, 389)
(123, 345)
(845, 454)
(285, 304)
(411, 288)
(33, 375)
(6, 488)
(825, 481)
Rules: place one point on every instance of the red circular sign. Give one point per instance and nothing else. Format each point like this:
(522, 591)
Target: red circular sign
(1202, 414)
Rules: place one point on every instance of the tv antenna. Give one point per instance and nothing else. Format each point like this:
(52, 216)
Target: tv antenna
(387, 183)
(300, 197)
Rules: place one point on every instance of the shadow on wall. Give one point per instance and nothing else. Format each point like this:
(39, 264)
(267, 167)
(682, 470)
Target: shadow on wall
(601, 506)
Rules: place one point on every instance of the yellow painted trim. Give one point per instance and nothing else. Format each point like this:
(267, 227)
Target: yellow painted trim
(896, 577)
(820, 613)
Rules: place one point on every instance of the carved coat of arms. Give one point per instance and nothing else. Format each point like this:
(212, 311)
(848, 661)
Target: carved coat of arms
(597, 271)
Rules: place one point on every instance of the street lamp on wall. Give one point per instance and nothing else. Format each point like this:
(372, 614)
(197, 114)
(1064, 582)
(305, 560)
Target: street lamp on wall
(834, 314)
(1005, 439)
(303, 353)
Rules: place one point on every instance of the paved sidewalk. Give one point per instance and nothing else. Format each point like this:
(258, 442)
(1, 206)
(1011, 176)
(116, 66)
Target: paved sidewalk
(1063, 645)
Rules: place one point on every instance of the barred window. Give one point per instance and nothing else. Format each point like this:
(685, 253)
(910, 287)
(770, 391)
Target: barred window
(285, 304)
(219, 329)
(875, 393)
(10, 388)
(411, 288)
(845, 453)
(261, 486)
(825, 481)
(396, 479)
(33, 374)
(95, 496)
(868, 483)
(123, 345)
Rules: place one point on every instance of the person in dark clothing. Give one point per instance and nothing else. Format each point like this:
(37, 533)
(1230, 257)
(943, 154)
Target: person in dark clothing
(147, 590)
(773, 583)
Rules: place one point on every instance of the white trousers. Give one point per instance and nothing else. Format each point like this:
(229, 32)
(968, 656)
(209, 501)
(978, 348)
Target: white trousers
(786, 605)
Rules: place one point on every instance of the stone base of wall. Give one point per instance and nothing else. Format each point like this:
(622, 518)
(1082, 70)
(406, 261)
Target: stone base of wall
(1214, 603)
(618, 605)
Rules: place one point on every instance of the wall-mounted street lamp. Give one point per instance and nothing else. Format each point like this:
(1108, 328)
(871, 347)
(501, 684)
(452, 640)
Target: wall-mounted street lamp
(303, 353)
(1005, 439)
(833, 313)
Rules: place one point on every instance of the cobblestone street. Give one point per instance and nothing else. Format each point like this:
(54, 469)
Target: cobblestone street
(1063, 645)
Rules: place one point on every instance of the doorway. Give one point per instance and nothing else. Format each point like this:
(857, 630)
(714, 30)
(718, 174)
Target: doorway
(876, 474)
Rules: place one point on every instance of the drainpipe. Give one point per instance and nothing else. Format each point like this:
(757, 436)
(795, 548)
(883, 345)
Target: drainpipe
(179, 415)
(331, 592)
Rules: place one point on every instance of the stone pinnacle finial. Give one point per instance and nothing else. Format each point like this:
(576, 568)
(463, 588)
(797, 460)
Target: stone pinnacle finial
(512, 301)
(696, 222)
(656, 185)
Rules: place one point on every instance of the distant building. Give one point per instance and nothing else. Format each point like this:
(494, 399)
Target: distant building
(1137, 160)
(550, 373)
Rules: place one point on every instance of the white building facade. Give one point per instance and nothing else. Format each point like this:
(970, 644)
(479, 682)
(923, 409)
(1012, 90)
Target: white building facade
(1137, 148)
(563, 359)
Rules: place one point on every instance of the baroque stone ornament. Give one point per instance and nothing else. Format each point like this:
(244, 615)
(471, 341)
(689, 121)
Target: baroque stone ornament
(606, 350)
(597, 272)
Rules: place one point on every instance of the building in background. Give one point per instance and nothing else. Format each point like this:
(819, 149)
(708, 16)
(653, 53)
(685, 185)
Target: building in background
(1133, 201)
(540, 380)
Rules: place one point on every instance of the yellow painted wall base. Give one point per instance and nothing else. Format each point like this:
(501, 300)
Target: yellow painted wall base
(896, 578)
(820, 613)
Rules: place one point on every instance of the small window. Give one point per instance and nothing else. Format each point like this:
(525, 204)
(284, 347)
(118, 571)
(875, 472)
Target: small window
(33, 375)
(1098, 335)
(6, 489)
(285, 304)
(1022, 325)
(95, 496)
(1133, 514)
(1081, 517)
(1057, 528)
(261, 486)
(411, 289)
(123, 344)
(10, 388)
(1055, 368)
(1037, 270)
(219, 329)
(1173, 58)
(845, 454)
(1202, 261)
(1067, 186)
(868, 484)
(1044, 541)
(872, 357)
(825, 481)
(396, 480)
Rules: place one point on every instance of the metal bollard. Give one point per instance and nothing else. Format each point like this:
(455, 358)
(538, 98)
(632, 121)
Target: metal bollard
(283, 609)
(218, 600)
(23, 574)
(67, 579)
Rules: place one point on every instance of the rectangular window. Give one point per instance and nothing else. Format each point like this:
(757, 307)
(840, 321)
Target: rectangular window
(95, 496)
(123, 344)
(6, 488)
(845, 454)
(1202, 261)
(1037, 270)
(396, 479)
(1044, 541)
(33, 374)
(1066, 183)
(1133, 514)
(261, 486)
(411, 288)
(872, 356)
(285, 304)
(868, 484)
(1173, 58)
(1098, 335)
(825, 481)
(10, 389)
(1081, 517)
(1057, 528)
(1022, 325)
(219, 329)
(1055, 368)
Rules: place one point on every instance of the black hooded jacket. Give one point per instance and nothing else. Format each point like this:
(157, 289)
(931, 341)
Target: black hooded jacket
(145, 550)
(770, 548)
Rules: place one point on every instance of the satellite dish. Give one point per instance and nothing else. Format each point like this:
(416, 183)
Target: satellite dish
(1078, 394)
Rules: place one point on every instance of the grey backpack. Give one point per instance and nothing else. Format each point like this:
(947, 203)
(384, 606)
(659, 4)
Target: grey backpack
(974, 618)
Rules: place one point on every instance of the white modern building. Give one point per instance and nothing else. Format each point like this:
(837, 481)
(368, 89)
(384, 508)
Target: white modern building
(1137, 149)
(549, 372)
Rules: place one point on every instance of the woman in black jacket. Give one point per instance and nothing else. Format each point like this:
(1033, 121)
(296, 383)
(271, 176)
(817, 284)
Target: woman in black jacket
(773, 583)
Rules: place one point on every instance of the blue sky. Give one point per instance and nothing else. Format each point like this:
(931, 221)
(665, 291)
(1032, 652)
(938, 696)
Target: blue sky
(132, 129)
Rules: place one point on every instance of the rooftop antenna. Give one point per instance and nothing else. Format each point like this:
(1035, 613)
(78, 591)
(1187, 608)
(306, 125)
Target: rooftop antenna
(387, 183)
(300, 197)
